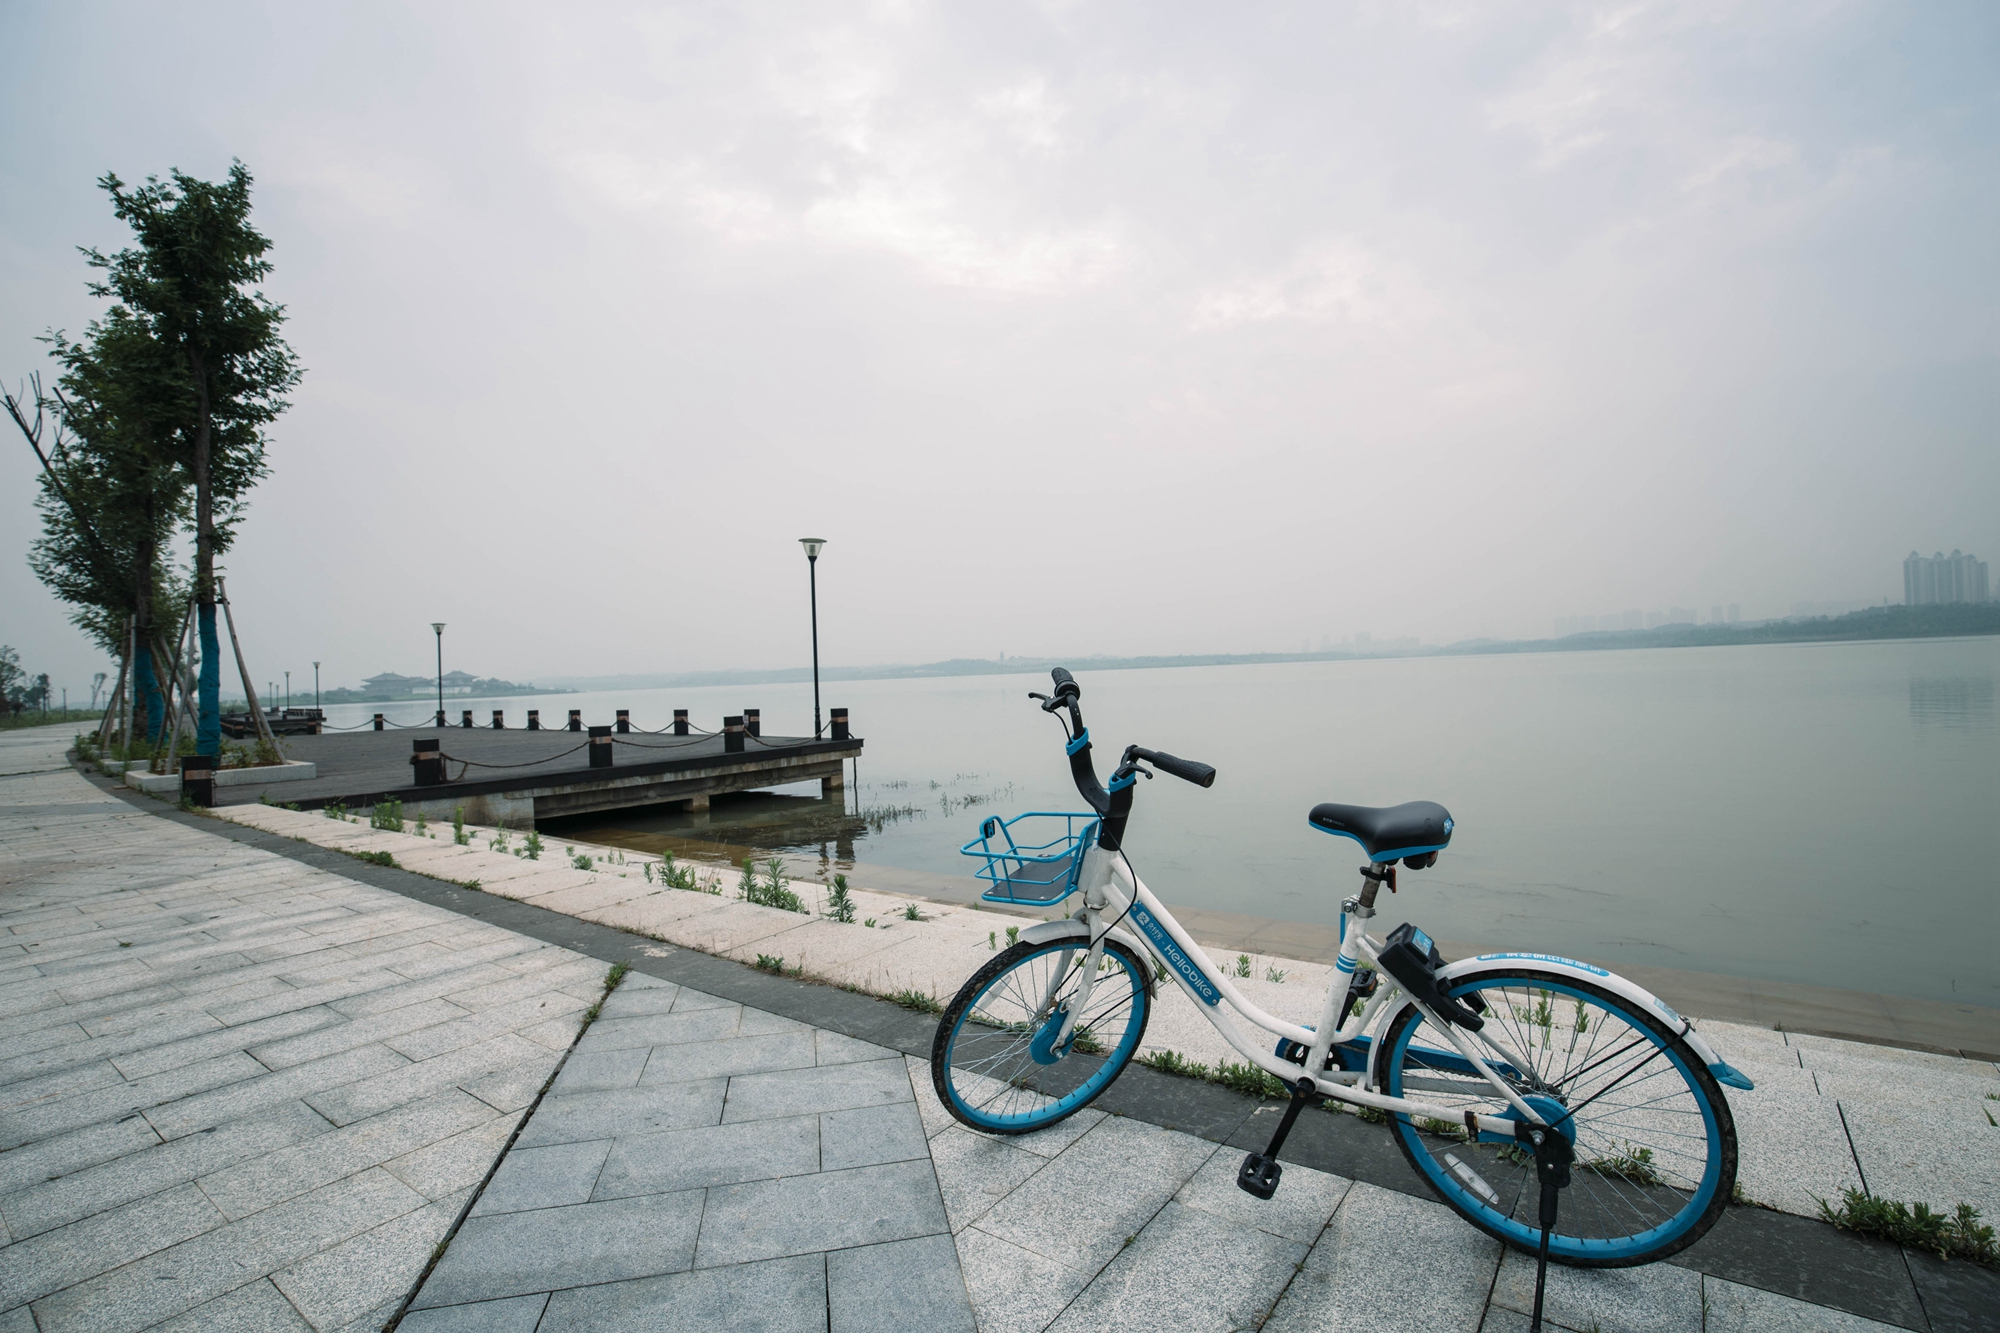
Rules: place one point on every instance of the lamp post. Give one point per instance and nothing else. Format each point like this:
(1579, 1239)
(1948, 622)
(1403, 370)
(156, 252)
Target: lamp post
(437, 628)
(813, 545)
(288, 691)
(315, 685)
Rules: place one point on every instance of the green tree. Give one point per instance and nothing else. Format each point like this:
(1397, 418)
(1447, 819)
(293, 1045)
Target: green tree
(112, 494)
(189, 282)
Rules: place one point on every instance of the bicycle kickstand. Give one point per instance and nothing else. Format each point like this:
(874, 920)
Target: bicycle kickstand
(1553, 1155)
(1260, 1171)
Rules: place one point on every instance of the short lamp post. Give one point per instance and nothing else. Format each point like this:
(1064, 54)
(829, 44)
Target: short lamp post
(315, 685)
(813, 545)
(288, 691)
(437, 628)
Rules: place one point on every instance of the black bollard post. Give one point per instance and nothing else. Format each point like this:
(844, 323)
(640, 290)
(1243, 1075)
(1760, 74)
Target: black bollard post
(840, 732)
(198, 776)
(680, 722)
(600, 747)
(576, 719)
(732, 735)
(534, 719)
(378, 722)
(427, 762)
(624, 721)
(499, 719)
(753, 721)
(465, 718)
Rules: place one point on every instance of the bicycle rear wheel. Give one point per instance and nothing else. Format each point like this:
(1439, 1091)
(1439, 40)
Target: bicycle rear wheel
(994, 1061)
(1655, 1144)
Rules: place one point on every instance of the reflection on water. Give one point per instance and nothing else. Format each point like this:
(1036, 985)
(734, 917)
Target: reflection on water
(1962, 702)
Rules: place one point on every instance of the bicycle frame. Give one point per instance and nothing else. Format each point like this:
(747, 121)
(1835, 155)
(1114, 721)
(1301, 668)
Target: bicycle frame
(1114, 896)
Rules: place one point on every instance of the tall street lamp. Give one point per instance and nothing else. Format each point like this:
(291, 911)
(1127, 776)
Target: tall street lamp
(813, 545)
(288, 691)
(437, 628)
(315, 685)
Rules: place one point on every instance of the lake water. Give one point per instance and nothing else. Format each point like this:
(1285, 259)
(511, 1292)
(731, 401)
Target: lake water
(1815, 812)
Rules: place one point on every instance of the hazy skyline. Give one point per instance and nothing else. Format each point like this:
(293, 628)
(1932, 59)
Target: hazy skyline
(1119, 329)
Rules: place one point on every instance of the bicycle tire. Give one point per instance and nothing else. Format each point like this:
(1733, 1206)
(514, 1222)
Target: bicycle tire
(991, 1079)
(1639, 1192)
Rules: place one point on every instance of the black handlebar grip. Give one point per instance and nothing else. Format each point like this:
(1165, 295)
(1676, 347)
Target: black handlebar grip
(1066, 686)
(1187, 770)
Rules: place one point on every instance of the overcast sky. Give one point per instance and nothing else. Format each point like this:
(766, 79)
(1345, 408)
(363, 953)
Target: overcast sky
(1098, 328)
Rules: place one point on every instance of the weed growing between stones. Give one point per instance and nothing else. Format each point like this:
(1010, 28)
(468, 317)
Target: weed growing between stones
(387, 815)
(1276, 974)
(458, 834)
(910, 913)
(423, 825)
(911, 998)
(839, 902)
(580, 859)
(770, 891)
(611, 980)
(776, 966)
(334, 810)
(498, 842)
(1173, 1062)
(1242, 964)
(992, 940)
(1955, 1236)
(532, 848)
(1013, 936)
(374, 858)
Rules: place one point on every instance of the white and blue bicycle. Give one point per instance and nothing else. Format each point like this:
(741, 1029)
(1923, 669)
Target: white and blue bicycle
(1554, 1105)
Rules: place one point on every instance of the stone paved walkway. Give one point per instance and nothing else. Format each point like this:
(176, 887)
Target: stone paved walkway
(703, 1165)
(239, 1093)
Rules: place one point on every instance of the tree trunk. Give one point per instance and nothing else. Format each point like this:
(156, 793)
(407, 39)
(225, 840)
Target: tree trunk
(147, 684)
(208, 728)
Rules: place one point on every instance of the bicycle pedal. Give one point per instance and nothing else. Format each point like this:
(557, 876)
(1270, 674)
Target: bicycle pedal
(1259, 1175)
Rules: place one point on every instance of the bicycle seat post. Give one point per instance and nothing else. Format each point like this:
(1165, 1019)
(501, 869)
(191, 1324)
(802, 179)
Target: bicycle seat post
(1373, 877)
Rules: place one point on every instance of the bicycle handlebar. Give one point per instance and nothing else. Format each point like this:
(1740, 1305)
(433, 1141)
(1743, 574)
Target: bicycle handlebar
(1187, 770)
(1113, 805)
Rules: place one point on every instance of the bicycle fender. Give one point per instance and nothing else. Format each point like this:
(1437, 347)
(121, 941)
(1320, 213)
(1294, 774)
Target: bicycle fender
(1611, 981)
(1070, 928)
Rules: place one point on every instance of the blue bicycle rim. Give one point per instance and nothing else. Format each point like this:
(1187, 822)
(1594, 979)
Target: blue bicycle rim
(1114, 1060)
(1609, 1251)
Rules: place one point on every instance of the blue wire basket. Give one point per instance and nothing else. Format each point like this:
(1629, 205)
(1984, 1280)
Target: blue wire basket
(1032, 859)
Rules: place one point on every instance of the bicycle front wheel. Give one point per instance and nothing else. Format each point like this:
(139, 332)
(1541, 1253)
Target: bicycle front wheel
(996, 1063)
(1654, 1141)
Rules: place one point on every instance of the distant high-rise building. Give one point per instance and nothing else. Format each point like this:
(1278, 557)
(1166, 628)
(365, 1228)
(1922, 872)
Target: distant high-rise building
(1735, 613)
(1944, 580)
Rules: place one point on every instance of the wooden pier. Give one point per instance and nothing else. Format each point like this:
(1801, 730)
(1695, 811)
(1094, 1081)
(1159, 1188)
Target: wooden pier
(517, 777)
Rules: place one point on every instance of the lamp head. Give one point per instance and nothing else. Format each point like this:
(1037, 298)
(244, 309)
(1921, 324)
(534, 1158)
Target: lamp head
(812, 545)
(437, 627)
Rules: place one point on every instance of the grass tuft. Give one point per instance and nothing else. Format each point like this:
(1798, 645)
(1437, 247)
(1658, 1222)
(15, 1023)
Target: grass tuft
(374, 858)
(1958, 1235)
(915, 999)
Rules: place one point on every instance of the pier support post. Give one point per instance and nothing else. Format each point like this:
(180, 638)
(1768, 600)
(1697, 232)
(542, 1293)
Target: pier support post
(465, 718)
(534, 719)
(840, 724)
(624, 721)
(753, 721)
(834, 787)
(697, 804)
(576, 719)
(732, 735)
(426, 763)
(680, 722)
(600, 747)
(499, 719)
(378, 722)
